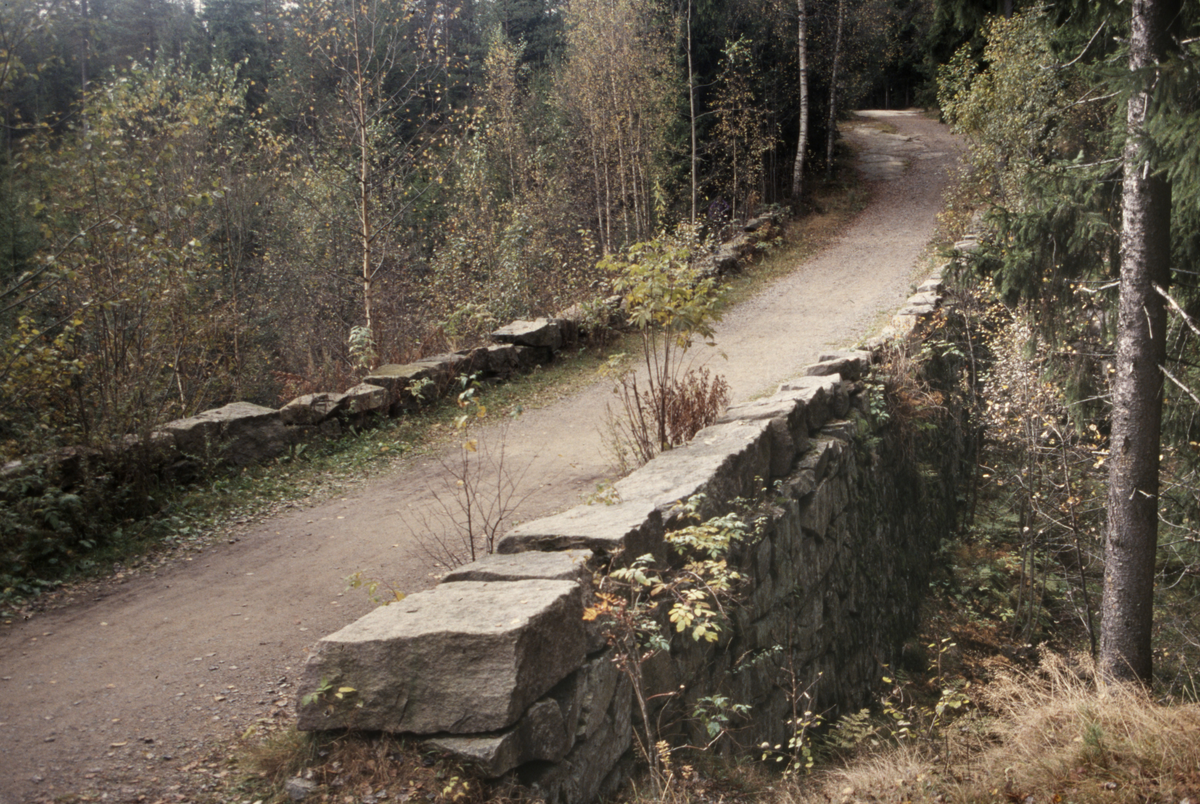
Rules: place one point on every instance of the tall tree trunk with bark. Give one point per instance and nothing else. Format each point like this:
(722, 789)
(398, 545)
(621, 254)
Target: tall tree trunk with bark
(802, 141)
(1132, 539)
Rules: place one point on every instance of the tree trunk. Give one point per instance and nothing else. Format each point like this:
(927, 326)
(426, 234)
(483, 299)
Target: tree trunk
(802, 141)
(830, 137)
(1132, 539)
(691, 107)
(361, 122)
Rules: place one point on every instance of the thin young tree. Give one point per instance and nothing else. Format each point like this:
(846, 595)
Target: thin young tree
(741, 132)
(390, 65)
(616, 87)
(830, 138)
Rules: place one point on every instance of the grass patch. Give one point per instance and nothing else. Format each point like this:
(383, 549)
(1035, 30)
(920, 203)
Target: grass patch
(283, 764)
(1046, 734)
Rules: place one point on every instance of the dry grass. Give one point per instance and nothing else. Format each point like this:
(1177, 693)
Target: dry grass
(355, 768)
(1044, 736)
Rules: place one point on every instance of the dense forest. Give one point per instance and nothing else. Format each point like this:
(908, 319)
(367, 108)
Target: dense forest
(251, 199)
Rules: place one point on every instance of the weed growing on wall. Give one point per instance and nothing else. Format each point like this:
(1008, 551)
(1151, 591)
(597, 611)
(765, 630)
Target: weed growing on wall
(642, 604)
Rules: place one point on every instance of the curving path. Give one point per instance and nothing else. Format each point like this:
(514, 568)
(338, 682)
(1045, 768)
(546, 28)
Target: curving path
(120, 695)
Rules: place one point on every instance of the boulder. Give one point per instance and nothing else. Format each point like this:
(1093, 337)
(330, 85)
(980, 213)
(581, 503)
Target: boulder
(363, 398)
(926, 299)
(531, 356)
(544, 333)
(851, 364)
(498, 360)
(933, 284)
(759, 222)
(908, 316)
(461, 658)
(726, 260)
(239, 433)
(310, 409)
(742, 244)
(397, 379)
(446, 366)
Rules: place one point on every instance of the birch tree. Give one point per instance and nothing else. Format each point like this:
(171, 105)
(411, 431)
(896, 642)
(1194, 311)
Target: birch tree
(389, 66)
(617, 88)
(802, 139)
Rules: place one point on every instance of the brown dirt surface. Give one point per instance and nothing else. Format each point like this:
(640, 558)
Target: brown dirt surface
(124, 693)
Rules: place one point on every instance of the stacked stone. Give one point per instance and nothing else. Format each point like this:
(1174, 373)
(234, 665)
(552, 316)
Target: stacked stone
(497, 666)
(243, 433)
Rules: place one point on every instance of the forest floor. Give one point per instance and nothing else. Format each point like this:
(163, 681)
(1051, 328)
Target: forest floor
(123, 693)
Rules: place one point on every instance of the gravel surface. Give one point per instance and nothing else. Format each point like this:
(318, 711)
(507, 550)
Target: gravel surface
(123, 695)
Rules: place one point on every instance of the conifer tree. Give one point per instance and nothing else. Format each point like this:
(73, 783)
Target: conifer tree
(1133, 483)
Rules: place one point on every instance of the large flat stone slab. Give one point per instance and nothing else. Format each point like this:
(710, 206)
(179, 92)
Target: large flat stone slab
(460, 658)
(787, 409)
(310, 409)
(722, 461)
(561, 565)
(364, 398)
(850, 364)
(398, 378)
(633, 526)
(544, 333)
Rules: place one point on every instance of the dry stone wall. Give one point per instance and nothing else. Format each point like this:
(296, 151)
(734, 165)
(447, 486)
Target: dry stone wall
(243, 433)
(498, 667)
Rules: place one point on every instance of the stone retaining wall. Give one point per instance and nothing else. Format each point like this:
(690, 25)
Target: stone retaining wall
(243, 433)
(497, 665)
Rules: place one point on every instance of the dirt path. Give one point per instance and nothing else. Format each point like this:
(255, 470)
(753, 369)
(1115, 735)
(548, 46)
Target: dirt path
(118, 696)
